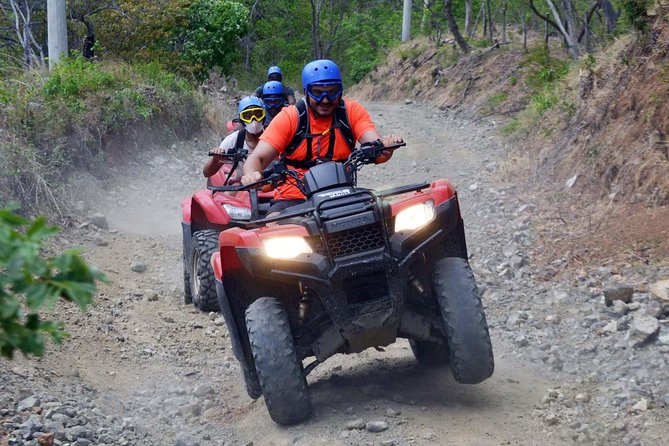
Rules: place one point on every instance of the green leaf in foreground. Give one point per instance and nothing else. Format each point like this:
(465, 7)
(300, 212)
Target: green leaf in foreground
(31, 283)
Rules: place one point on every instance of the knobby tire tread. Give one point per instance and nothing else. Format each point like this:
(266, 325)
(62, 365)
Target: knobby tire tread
(207, 244)
(279, 369)
(471, 355)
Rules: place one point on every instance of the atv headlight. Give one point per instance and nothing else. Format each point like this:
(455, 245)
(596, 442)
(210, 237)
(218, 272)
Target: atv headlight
(414, 216)
(286, 247)
(237, 212)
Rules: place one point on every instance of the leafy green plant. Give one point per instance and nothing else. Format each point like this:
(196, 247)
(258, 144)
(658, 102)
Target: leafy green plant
(543, 69)
(31, 283)
(543, 102)
(212, 33)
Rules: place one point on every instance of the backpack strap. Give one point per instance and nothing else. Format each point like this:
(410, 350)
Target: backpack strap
(339, 121)
(302, 126)
(239, 144)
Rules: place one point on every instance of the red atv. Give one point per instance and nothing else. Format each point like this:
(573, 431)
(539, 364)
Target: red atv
(350, 268)
(205, 215)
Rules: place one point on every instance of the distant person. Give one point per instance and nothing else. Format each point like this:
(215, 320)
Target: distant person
(321, 127)
(274, 99)
(251, 114)
(274, 74)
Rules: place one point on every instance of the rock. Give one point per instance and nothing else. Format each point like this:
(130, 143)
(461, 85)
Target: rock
(151, 295)
(654, 309)
(620, 292)
(611, 327)
(643, 329)
(641, 406)
(98, 240)
(620, 307)
(376, 426)
(27, 403)
(356, 424)
(570, 182)
(203, 390)
(46, 439)
(388, 443)
(137, 266)
(190, 410)
(659, 291)
(99, 220)
(473, 187)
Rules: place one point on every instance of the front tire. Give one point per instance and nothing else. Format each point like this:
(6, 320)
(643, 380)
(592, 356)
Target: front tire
(202, 281)
(471, 355)
(279, 369)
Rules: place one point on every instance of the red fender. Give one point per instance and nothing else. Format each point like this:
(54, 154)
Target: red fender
(439, 191)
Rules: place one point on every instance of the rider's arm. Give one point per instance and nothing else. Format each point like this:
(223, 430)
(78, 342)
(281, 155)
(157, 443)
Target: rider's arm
(260, 158)
(215, 162)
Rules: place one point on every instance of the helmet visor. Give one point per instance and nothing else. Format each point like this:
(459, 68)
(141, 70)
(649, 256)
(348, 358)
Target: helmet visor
(320, 91)
(249, 114)
(273, 102)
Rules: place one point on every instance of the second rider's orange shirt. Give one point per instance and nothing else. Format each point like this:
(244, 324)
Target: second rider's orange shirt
(284, 125)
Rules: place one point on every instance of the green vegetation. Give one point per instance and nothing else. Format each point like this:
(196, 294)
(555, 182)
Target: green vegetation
(68, 118)
(31, 283)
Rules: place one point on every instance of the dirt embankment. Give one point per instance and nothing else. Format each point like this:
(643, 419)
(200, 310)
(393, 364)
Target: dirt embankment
(599, 155)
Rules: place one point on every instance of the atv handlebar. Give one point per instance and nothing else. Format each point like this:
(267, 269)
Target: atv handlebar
(232, 154)
(279, 172)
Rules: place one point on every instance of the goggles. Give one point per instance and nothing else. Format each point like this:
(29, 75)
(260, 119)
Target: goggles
(274, 102)
(330, 90)
(249, 114)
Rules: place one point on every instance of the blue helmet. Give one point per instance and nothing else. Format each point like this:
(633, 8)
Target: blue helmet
(272, 88)
(320, 71)
(249, 101)
(274, 70)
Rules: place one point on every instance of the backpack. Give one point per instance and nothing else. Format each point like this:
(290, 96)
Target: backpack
(339, 121)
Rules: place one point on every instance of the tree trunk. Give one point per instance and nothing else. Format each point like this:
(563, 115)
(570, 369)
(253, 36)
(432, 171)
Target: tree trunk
(611, 15)
(569, 37)
(504, 39)
(315, 28)
(453, 27)
(489, 20)
(468, 17)
(426, 14)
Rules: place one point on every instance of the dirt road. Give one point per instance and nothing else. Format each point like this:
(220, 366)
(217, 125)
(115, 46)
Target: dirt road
(143, 368)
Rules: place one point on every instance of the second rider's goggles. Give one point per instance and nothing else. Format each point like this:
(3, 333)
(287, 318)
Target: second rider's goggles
(330, 90)
(275, 102)
(249, 114)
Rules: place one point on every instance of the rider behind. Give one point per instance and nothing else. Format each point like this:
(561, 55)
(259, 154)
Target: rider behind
(274, 74)
(274, 99)
(333, 127)
(251, 113)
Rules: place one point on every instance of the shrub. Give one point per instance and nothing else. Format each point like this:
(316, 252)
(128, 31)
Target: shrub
(30, 283)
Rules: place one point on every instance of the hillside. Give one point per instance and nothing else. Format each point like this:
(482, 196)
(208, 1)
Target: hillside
(589, 143)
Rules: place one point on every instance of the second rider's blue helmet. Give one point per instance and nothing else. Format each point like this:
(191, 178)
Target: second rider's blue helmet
(272, 88)
(249, 101)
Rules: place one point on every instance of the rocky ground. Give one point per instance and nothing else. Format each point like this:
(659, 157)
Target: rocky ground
(582, 359)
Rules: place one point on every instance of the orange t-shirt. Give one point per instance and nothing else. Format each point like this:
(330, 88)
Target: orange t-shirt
(282, 129)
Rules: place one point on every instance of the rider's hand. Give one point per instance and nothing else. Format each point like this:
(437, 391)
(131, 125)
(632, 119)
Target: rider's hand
(387, 154)
(389, 140)
(217, 151)
(250, 178)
